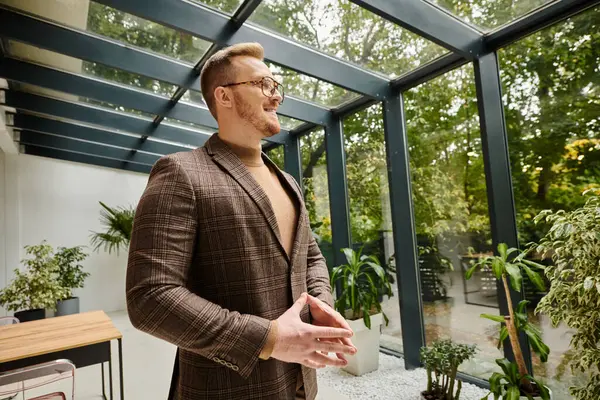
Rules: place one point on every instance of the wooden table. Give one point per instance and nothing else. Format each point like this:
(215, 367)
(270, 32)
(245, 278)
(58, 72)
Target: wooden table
(81, 338)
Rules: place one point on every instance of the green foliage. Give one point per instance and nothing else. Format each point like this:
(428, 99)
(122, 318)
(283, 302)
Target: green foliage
(573, 242)
(38, 285)
(509, 268)
(70, 271)
(506, 385)
(362, 279)
(441, 360)
(119, 224)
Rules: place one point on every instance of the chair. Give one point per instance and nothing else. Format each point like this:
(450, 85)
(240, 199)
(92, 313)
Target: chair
(8, 321)
(24, 379)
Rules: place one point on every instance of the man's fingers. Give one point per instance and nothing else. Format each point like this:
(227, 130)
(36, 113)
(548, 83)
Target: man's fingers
(319, 332)
(313, 364)
(347, 342)
(339, 319)
(300, 303)
(332, 347)
(327, 360)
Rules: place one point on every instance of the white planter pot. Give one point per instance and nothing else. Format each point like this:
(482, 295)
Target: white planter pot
(366, 342)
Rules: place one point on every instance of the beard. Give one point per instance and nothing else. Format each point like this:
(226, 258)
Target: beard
(256, 118)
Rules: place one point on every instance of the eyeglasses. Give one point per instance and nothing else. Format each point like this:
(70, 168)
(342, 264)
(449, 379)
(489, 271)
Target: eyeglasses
(269, 86)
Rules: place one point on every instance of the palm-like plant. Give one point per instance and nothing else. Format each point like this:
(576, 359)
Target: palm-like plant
(506, 269)
(119, 224)
(361, 280)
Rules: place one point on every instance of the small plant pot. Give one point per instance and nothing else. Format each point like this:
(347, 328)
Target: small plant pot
(31, 315)
(366, 342)
(67, 307)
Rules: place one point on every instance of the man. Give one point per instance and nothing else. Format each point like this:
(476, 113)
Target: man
(222, 262)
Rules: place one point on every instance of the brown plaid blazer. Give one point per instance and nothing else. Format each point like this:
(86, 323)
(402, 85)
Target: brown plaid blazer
(207, 272)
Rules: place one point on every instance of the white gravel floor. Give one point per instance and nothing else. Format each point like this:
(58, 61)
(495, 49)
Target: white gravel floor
(390, 381)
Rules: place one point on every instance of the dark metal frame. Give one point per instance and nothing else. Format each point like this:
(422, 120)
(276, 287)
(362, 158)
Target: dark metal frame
(69, 140)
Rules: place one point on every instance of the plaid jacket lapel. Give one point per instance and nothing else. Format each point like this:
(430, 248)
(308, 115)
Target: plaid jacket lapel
(231, 163)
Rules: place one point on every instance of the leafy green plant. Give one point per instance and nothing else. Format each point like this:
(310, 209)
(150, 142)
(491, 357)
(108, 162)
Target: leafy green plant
(37, 287)
(573, 242)
(119, 224)
(506, 385)
(507, 268)
(70, 271)
(441, 360)
(361, 280)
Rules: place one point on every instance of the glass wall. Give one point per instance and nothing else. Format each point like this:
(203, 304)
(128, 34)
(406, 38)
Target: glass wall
(277, 155)
(316, 190)
(369, 201)
(551, 85)
(451, 215)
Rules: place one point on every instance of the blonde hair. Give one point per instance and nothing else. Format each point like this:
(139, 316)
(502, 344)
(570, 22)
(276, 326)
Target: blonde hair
(219, 70)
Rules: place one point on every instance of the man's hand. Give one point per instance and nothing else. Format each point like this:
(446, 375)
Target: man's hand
(302, 343)
(323, 315)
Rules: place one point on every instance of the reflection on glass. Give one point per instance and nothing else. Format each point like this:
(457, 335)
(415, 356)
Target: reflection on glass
(174, 121)
(552, 103)
(193, 96)
(311, 89)
(289, 123)
(489, 14)
(59, 61)
(276, 155)
(316, 190)
(349, 32)
(451, 215)
(226, 6)
(370, 212)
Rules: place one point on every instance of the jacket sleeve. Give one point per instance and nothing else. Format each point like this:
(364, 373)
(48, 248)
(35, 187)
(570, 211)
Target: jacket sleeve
(161, 253)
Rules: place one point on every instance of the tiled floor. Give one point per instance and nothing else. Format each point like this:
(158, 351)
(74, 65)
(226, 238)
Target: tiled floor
(148, 364)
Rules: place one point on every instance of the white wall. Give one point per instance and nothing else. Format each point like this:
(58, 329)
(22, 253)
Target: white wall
(58, 201)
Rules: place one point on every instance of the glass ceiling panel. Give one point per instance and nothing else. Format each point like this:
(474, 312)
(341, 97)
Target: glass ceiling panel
(311, 89)
(126, 28)
(226, 6)
(59, 61)
(489, 14)
(349, 32)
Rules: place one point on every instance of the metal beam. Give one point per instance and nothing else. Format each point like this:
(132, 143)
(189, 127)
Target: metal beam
(292, 159)
(44, 125)
(338, 189)
(430, 22)
(548, 15)
(102, 117)
(85, 159)
(98, 89)
(210, 25)
(501, 201)
(405, 236)
(78, 146)
(87, 46)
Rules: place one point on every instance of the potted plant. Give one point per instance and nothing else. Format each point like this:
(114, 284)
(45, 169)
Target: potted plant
(513, 382)
(70, 276)
(118, 223)
(441, 360)
(360, 281)
(35, 289)
(573, 243)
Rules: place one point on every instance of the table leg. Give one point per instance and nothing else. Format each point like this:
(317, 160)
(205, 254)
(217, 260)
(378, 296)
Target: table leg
(110, 377)
(121, 373)
(103, 382)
